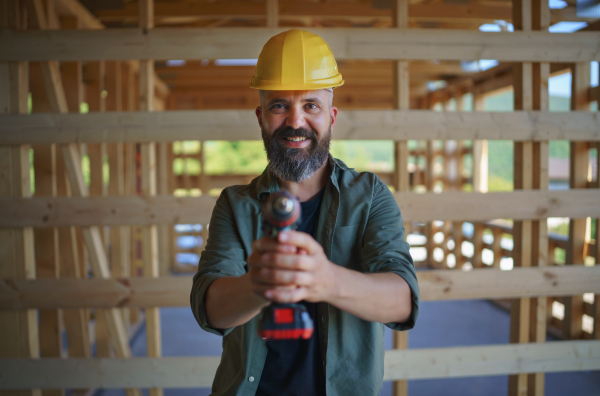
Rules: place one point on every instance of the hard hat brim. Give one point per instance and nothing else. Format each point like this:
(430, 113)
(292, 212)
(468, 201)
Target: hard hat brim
(276, 86)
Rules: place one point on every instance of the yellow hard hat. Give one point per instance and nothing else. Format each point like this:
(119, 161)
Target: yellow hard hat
(296, 60)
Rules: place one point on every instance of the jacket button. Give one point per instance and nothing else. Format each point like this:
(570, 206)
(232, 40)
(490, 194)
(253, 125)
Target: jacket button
(251, 379)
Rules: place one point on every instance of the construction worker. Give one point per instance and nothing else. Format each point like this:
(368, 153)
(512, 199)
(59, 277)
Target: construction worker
(347, 262)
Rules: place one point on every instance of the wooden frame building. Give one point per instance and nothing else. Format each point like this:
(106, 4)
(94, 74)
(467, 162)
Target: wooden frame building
(93, 120)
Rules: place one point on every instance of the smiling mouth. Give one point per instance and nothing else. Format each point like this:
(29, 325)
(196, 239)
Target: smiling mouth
(296, 139)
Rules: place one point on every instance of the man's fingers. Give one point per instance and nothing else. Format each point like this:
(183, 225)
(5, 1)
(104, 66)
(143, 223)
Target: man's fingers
(283, 277)
(286, 295)
(299, 262)
(277, 277)
(263, 290)
(266, 244)
(301, 240)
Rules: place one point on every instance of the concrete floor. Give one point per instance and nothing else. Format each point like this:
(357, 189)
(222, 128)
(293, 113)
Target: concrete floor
(440, 324)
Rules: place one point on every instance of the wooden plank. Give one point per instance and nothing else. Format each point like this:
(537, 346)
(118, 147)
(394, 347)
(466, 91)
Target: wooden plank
(579, 158)
(113, 127)
(436, 285)
(491, 360)
(135, 210)
(523, 180)
(76, 320)
(401, 175)
(331, 10)
(272, 13)
(539, 306)
(95, 86)
(198, 372)
(164, 173)
(346, 43)
(20, 338)
(119, 236)
(148, 181)
(44, 164)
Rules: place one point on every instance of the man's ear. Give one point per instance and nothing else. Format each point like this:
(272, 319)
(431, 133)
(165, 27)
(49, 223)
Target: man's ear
(333, 114)
(258, 113)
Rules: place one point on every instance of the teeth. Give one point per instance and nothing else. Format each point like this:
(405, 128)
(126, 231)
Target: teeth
(296, 139)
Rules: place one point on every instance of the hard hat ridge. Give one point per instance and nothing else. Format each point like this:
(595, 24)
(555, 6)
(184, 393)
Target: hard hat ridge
(296, 60)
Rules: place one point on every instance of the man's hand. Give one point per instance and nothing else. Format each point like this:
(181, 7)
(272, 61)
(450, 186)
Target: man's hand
(290, 269)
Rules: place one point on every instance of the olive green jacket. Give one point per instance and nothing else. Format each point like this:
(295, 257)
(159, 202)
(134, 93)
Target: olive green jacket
(360, 228)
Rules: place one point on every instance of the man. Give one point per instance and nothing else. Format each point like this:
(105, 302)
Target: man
(348, 261)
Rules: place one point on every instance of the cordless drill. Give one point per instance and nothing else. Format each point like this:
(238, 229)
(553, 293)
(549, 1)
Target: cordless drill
(281, 212)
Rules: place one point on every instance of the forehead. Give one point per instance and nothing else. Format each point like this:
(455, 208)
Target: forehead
(291, 96)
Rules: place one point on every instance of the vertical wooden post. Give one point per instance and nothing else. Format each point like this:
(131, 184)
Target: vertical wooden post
(164, 169)
(272, 13)
(148, 151)
(20, 328)
(429, 184)
(96, 73)
(401, 175)
(46, 239)
(480, 180)
(119, 236)
(76, 320)
(458, 235)
(128, 101)
(523, 173)
(539, 311)
(480, 152)
(579, 157)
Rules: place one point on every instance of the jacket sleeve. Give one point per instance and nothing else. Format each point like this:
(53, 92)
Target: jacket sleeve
(223, 256)
(385, 250)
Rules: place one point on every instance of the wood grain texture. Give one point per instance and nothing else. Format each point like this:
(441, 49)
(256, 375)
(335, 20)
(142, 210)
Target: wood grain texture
(346, 43)
(198, 372)
(114, 127)
(174, 291)
(162, 209)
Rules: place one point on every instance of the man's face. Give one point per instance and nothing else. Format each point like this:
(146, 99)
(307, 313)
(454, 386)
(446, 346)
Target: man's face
(296, 130)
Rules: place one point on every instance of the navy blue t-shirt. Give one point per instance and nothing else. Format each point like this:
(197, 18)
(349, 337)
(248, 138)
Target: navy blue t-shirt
(295, 367)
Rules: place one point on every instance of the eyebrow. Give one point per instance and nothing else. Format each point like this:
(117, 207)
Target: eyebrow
(307, 100)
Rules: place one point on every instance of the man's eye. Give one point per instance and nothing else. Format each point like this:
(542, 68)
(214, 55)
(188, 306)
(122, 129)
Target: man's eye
(312, 106)
(278, 107)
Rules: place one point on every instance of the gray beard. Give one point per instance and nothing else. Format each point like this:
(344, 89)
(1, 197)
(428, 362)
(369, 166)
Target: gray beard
(296, 164)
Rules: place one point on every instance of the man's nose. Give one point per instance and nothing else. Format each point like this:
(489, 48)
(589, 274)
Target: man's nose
(295, 118)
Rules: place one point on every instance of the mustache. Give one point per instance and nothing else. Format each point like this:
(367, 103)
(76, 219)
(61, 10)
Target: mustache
(288, 132)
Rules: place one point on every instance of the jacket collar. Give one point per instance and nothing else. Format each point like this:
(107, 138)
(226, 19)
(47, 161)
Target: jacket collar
(268, 183)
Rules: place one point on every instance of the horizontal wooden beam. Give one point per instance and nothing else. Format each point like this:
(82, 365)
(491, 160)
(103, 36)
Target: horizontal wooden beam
(323, 10)
(492, 284)
(560, 356)
(516, 205)
(435, 285)
(199, 372)
(346, 43)
(472, 12)
(169, 126)
(135, 210)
